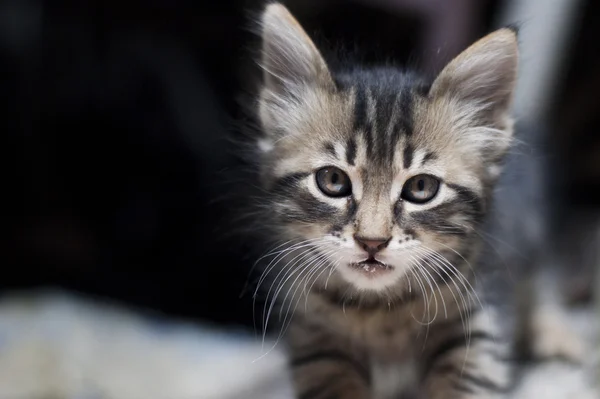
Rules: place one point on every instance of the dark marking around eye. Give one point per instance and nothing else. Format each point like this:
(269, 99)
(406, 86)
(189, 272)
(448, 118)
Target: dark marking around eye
(408, 155)
(302, 206)
(311, 209)
(351, 209)
(398, 211)
(429, 156)
(436, 219)
(288, 182)
(420, 189)
(351, 151)
(468, 196)
(333, 182)
(466, 204)
(347, 218)
(330, 149)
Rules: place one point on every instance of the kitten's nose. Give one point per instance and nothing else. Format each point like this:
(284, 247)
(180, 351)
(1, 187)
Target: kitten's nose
(372, 244)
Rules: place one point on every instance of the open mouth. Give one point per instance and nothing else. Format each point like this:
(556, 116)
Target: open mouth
(371, 266)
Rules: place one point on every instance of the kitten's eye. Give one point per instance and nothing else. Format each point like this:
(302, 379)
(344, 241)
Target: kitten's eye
(333, 182)
(420, 189)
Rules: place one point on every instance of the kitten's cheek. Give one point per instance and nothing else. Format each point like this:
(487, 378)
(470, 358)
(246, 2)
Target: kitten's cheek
(346, 243)
(345, 258)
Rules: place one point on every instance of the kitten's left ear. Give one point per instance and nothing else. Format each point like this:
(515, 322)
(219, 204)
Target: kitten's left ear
(484, 74)
(289, 57)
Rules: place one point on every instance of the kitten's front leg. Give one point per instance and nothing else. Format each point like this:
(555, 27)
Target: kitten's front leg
(475, 367)
(324, 366)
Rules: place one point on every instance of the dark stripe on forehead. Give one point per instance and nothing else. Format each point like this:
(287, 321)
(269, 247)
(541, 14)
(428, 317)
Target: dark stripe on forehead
(369, 139)
(384, 110)
(394, 138)
(408, 155)
(361, 116)
(403, 122)
(351, 151)
(406, 111)
(429, 156)
(360, 108)
(330, 149)
(384, 114)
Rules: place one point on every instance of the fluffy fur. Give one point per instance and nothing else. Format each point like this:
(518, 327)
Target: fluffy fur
(417, 315)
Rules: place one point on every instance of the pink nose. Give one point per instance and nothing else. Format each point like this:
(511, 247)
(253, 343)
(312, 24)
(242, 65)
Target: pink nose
(372, 245)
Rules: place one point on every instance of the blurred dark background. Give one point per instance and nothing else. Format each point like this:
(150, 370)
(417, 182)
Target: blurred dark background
(116, 116)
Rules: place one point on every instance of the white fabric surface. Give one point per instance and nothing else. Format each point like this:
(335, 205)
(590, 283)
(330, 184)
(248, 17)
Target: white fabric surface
(57, 346)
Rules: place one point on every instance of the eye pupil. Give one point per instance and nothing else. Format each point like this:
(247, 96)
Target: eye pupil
(333, 182)
(420, 189)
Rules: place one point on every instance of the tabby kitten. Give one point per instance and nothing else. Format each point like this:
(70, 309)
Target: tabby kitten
(377, 183)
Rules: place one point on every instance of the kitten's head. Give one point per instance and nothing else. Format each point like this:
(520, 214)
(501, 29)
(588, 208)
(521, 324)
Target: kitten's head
(375, 168)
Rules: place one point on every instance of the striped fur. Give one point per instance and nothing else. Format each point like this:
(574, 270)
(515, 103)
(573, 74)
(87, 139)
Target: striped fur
(419, 323)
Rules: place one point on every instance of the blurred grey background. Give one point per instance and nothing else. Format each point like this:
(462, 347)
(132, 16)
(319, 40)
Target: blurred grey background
(119, 177)
(116, 116)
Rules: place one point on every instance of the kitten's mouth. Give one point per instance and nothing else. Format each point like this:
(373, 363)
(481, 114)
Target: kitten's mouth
(371, 267)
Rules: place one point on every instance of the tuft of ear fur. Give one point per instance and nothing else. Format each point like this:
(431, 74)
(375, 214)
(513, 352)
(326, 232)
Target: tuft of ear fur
(484, 75)
(289, 57)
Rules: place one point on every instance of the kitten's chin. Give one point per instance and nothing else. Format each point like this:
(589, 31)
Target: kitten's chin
(374, 276)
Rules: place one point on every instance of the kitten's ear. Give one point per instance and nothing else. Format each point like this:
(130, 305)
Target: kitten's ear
(289, 58)
(484, 74)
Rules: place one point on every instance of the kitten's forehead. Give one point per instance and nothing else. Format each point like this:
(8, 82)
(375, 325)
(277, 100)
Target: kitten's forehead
(368, 118)
(381, 123)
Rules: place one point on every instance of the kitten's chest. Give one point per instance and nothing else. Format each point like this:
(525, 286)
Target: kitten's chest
(392, 346)
(394, 380)
(391, 340)
(386, 334)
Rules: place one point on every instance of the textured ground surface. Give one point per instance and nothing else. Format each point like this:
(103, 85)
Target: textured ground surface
(55, 346)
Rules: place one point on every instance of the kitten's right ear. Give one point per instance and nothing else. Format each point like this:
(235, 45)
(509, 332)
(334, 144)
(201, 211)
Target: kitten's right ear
(483, 74)
(289, 58)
